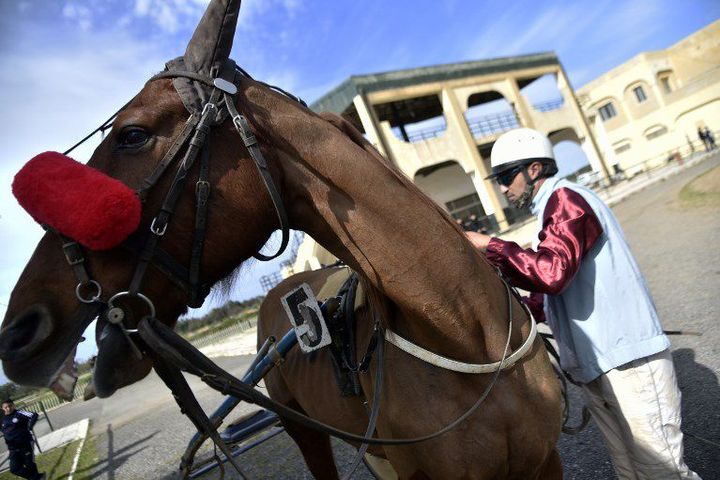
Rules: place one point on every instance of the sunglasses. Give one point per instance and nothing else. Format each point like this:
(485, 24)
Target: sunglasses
(506, 178)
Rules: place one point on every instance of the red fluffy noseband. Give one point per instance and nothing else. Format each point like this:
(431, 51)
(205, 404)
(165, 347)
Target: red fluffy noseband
(76, 200)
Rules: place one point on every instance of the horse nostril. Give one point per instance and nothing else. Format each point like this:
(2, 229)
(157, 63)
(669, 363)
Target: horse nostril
(25, 333)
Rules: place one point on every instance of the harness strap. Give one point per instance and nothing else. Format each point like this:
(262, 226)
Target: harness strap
(250, 141)
(462, 367)
(173, 378)
(170, 155)
(160, 223)
(178, 351)
(375, 408)
(202, 192)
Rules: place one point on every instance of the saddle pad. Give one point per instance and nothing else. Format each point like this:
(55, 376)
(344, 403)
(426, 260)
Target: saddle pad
(334, 282)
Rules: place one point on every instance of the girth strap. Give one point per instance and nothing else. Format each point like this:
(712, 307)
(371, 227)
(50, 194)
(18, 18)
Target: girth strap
(456, 366)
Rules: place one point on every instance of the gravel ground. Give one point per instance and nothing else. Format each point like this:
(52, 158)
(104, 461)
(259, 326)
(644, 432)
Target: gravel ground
(141, 434)
(678, 248)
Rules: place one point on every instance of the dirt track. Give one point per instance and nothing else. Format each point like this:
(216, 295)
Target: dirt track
(140, 433)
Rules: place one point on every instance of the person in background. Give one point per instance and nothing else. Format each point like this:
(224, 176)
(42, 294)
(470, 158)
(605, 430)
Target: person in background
(17, 428)
(703, 138)
(597, 304)
(710, 139)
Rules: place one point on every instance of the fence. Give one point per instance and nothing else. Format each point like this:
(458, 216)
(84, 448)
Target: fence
(221, 335)
(651, 166)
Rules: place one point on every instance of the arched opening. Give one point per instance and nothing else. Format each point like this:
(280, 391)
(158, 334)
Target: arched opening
(542, 93)
(453, 189)
(571, 159)
(489, 113)
(414, 119)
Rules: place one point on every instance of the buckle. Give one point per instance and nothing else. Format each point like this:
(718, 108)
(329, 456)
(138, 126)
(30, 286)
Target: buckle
(158, 231)
(73, 254)
(203, 185)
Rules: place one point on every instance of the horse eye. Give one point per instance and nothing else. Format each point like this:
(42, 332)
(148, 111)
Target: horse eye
(133, 138)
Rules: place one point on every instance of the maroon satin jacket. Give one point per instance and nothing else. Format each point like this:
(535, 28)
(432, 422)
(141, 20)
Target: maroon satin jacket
(570, 229)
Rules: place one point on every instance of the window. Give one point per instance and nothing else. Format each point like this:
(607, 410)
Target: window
(656, 132)
(665, 82)
(607, 111)
(622, 148)
(639, 94)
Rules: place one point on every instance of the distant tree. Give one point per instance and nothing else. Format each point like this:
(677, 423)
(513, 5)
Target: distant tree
(218, 314)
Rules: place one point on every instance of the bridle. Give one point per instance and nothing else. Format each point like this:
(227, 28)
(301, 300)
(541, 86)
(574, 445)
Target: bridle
(170, 353)
(190, 143)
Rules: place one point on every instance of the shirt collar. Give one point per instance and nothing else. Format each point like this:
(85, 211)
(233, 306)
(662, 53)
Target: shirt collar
(543, 194)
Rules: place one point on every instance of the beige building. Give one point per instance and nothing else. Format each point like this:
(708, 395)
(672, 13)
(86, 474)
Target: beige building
(652, 105)
(438, 125)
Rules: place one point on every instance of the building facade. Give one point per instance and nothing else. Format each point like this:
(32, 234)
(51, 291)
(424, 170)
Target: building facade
(652, 105)
(438, 124)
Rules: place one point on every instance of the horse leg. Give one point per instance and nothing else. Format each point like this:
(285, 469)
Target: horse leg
(314, 446)
(552, 470)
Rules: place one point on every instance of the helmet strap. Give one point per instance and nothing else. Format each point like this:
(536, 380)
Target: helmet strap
(523, 201)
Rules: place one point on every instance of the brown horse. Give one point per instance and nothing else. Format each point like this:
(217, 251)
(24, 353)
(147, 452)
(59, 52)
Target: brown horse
(430, 285)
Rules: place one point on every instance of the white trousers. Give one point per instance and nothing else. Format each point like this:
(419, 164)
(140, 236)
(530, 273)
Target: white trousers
(637, 408)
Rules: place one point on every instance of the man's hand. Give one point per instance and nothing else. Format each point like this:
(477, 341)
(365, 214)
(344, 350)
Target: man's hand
(479, 240)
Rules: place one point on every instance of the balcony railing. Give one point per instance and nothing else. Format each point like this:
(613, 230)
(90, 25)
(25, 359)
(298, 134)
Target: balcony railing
(426, 134)
(492, 124)
(485, 125)
(549, 105)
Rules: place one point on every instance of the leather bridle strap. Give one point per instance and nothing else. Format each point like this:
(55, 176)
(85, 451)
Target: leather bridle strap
(170, 155)
(160, 222)
(202, 192)
(251, 143)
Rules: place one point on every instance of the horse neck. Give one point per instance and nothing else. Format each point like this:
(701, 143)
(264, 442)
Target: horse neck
(367, 214)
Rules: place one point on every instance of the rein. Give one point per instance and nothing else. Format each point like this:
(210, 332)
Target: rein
(174, 352)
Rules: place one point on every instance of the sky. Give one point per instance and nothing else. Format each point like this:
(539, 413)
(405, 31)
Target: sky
(65, 66)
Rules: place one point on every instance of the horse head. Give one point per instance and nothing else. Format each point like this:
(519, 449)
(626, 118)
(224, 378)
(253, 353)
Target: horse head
(45, 320)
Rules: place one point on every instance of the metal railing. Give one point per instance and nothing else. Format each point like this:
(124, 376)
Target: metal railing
(491, 124)
(549, 105)
(485, 125)
(426, 134)
(220, 336)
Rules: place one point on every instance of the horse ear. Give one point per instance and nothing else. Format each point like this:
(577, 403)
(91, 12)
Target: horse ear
(210, 45)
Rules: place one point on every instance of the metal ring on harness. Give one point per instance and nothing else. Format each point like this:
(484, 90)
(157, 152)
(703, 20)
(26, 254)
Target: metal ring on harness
(118, 320)
(92, 299)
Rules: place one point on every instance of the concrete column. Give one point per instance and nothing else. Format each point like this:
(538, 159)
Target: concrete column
(371, 125)
(591, 150)
(454, 114)
(521, 106)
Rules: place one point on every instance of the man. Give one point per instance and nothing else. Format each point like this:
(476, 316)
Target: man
(17, 428)
(710, 138)
(597, 304)
(703, 138)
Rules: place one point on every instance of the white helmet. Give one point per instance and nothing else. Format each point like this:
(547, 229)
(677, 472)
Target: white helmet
(520, 147)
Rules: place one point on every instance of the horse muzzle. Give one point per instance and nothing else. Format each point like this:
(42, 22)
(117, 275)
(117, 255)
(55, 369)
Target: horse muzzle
(35, 352)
